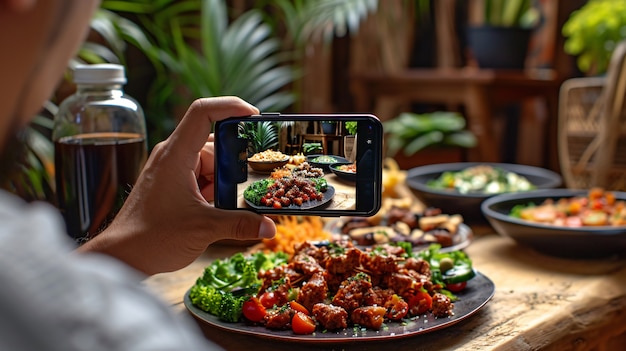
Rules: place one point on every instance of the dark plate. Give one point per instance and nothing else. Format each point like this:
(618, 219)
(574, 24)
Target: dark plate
(349, 176)
(468, 205)
(581, 242)
(478, 292)
(328, 195)
(461, 239)
(324, 165)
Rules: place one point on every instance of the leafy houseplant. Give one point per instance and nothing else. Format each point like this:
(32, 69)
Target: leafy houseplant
(501, 36)
(261, 136)
(411, 132)
(592, 33)
(351, 127)
(200, 50)
(312, 148)
(510, 13)
(350, 140)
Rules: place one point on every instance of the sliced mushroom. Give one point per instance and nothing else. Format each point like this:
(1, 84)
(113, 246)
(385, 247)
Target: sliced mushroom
(402, 228)
(431, 222)
(452, 224)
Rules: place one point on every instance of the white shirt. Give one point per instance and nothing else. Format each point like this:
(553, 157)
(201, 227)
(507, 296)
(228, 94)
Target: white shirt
(54, 299)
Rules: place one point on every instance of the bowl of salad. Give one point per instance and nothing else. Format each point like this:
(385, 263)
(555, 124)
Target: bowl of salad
(344, 170)
(324, 161)
(562, 222)
(461, 187)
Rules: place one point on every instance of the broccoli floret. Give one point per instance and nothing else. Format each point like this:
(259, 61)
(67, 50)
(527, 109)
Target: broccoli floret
(230, 308)
(226, 284)
(226, 306)
(206, 298)
(265, 261)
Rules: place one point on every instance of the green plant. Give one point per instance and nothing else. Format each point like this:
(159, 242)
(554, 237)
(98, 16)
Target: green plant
(510, 13)
(261, 136)
(33, 179)
(199, 50)
(351, 127)
(311, 148)
(411, 132)
(592, 33)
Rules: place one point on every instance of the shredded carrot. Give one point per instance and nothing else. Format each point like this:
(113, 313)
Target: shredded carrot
(291, 230)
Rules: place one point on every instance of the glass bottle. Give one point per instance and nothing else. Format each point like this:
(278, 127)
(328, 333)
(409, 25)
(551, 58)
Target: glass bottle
(100, 148)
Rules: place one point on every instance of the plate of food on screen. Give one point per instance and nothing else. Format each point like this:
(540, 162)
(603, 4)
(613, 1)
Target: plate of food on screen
(302, 187)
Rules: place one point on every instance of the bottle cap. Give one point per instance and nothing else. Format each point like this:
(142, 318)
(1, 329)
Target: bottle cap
(104, 73)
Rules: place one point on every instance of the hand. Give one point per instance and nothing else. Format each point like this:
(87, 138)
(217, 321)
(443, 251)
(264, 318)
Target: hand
(167, 221)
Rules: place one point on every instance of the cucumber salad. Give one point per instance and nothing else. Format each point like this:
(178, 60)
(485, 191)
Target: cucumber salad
(481, 179)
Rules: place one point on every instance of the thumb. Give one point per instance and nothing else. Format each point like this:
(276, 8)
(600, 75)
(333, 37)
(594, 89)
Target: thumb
(239, 225)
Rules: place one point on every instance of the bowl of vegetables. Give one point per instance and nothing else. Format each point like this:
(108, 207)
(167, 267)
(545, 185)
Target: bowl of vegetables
(324, 161)
(562, 222)
(461, 187)
(344, 170)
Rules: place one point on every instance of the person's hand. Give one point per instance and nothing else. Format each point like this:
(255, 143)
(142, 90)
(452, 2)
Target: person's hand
(167, 221)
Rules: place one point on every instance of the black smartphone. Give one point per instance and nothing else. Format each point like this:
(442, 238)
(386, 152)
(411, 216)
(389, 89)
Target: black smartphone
(299, 164)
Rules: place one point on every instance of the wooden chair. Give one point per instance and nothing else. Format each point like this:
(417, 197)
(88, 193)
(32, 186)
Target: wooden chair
(592, 128)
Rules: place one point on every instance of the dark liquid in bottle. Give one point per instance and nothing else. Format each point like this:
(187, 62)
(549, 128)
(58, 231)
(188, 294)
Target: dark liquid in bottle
(94, 175)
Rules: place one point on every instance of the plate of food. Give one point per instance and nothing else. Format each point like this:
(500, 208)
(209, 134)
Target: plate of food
(292, 201)
(421, 229)
(301, 187)
(324, 161)
(322, 309)
(562, 222)
(344, 170)
(461, 187)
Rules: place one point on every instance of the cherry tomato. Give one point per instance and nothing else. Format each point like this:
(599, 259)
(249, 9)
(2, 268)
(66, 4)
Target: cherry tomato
(456, 287)
(296, 306)
(253, 310)
(420, 303)
(268, 299)
(302, 324)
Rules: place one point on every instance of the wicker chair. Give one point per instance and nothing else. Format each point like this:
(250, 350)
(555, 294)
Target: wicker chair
(592, 128)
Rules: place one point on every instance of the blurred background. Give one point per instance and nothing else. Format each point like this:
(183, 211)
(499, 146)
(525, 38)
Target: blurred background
(410, 62)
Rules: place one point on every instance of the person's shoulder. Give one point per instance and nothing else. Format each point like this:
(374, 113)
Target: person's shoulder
(38, 223)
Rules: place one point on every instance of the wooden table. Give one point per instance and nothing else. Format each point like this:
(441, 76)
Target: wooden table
(479, 91)
(540, 303)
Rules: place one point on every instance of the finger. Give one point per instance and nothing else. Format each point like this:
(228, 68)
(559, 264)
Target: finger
(240, 225)
(206, 166)
(195, 127)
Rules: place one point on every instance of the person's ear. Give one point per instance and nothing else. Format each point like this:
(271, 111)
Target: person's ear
(17, 5)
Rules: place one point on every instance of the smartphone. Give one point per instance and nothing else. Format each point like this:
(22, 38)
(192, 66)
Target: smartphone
(287, 164)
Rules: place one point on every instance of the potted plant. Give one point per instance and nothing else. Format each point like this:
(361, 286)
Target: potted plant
(312, 148)
(410, 137)
(261, 136)
(328, 127)
(349, 140)
(592, 33)
(498, 37)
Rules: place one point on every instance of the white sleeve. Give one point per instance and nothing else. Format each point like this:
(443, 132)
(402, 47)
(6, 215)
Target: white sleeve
(53, 299)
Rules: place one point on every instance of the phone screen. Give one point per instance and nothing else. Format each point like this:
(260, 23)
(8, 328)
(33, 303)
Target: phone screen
(327, 165)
